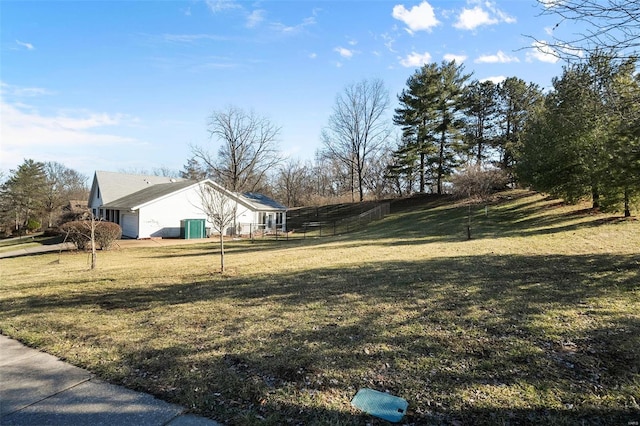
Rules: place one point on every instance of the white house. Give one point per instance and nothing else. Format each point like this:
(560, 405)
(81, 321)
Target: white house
(157, 207)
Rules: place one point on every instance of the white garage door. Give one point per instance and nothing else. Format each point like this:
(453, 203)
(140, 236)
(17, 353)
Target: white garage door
(130, 225)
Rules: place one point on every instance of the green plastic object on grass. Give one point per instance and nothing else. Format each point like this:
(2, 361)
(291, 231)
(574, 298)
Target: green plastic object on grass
(380, 404)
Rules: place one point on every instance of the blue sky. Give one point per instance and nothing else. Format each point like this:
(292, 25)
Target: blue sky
(128, 85)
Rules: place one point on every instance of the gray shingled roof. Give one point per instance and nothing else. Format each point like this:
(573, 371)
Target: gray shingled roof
(148, 194)
(126, 191)
(262, 202)
(114, 186)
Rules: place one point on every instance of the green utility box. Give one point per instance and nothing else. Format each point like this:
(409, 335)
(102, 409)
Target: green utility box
(191, 229)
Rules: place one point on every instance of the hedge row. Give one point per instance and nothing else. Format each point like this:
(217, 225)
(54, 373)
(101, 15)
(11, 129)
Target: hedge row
(79, 232)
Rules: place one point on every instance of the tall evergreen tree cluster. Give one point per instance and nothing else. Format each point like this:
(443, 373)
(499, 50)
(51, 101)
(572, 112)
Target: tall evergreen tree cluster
(448, 122)
(581, 139)
(584, 141)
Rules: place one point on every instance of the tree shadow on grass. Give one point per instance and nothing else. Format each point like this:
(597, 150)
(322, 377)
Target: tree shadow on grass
(473, 339)
(529, 215)
(233, 247)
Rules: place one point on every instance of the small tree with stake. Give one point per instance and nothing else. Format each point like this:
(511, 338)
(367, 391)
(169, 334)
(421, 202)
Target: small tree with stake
(220, 208)
(83, 232)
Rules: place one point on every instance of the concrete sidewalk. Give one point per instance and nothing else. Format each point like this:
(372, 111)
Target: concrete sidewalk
(38, 389)
(38, 250)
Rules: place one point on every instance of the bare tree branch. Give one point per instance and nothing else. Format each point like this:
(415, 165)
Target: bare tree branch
(357, 129)
(247, 149)
(220, 208)
(608, 26)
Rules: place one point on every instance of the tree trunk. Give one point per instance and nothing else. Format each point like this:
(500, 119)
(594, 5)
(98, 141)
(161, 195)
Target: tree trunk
(595, 196)
(360, 184)
(422, 172)
(221, 250)
(441, 163)
(93, 243)
(627, 210)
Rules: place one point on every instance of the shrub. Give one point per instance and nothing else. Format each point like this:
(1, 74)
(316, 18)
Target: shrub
(33, 225)
(79, 232)
(107, 233)
(474, 181)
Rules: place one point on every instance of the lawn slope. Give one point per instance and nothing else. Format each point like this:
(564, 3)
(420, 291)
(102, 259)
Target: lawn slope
(535, 320)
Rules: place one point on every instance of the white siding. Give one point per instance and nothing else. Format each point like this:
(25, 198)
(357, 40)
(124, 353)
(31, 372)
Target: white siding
(162, 217)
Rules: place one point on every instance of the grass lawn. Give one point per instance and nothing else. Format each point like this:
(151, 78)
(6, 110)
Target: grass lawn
(536, 320)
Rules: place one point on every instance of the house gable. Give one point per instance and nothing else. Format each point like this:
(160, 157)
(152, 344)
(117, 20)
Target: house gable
(110, 186)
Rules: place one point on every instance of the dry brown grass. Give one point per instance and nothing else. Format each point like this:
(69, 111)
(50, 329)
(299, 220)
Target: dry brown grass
(535, 320)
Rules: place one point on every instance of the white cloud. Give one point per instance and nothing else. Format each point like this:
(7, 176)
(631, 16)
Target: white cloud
(27, 132)
(495, 79)
(293, 29)
(24, 126)
(551, 3)
(543, 52)
(21, 92)
(470, 19)
(499, 57)
(255, 18)
(453, 57)
(418, 18)
(344, 52)
(388, 42)
(192, 38)
(313, 55)
(220, 5)
(26, 45)
(415, 59)
(502, 16)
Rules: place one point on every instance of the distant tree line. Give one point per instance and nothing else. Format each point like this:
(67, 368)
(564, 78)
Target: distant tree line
(38, 195)
(580, 139)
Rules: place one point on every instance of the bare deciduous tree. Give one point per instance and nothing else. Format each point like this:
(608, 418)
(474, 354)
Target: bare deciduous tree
(294, 183)
(358, 128)
(608, 25)
(377, 181)
(62, 184)
(220, 209)
(247, 149)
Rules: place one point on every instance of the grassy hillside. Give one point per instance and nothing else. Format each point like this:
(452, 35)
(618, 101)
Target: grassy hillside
(535, 320)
